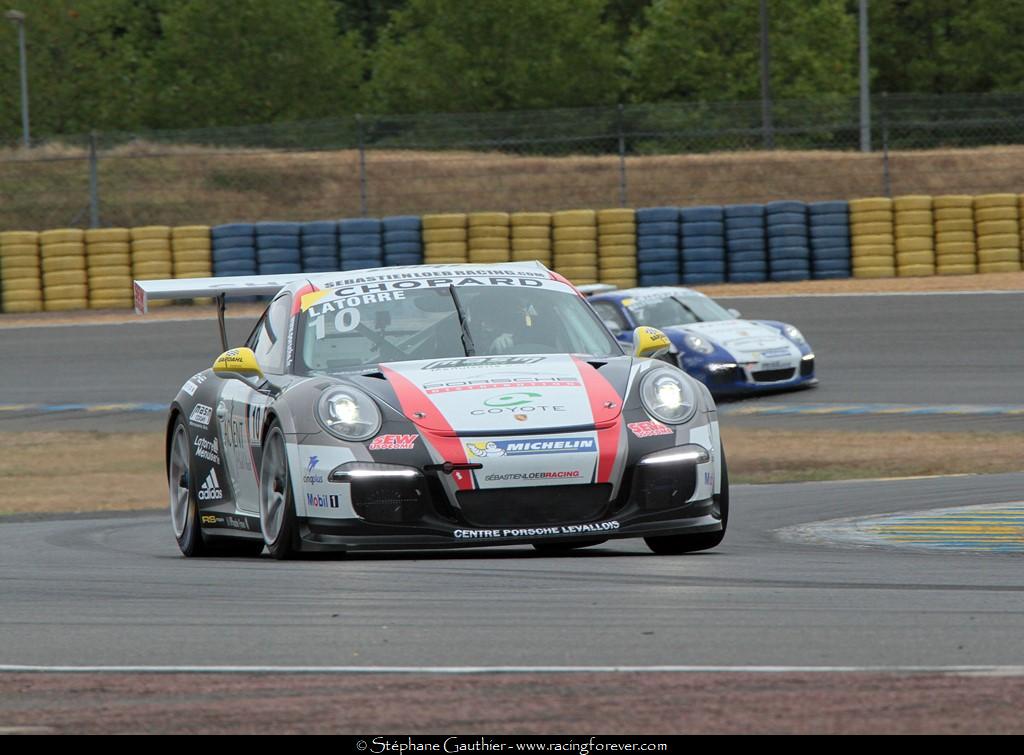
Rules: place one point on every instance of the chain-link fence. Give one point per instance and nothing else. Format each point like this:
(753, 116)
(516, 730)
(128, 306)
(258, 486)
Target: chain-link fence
(635, 155)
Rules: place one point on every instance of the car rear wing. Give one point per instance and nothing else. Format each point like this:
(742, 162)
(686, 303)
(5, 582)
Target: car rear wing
(189, 288)
(589, 289)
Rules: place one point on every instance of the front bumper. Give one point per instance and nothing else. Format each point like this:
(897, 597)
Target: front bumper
(734, 379)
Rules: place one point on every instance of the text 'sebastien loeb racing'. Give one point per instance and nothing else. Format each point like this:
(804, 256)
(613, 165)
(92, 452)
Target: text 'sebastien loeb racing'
(437, 406)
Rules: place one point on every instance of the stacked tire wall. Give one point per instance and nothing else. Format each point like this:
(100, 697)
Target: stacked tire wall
(914, 232)
(828, 226)
(21, 280)
(873, 243)
(746, 245)
(616, 247)
(489, 238)
(997, 225)
(956, 251)
(789, 250)
(657, 246)
(574, 245)
(702, 240)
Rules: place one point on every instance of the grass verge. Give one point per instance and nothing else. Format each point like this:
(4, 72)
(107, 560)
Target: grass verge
(43, 472)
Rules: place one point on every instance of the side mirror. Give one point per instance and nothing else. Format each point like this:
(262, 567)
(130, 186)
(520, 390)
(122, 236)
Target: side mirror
(734, 312)
(613, 326)
(239, 364)
(650, 342)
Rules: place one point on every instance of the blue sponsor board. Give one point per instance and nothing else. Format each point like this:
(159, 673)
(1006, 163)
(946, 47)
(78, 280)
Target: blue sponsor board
(530, 446)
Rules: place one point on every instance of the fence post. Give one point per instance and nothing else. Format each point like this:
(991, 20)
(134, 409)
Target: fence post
(622, 157)
(886, 172)
(363, 209)
(94, 183)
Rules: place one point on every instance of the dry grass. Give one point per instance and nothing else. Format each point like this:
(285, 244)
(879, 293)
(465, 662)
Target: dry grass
(144, 183)
(44, 472)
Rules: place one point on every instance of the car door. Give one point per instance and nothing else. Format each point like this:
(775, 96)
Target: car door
(242, 408)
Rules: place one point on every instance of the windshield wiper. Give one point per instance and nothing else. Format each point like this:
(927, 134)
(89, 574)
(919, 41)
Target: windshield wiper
(467, 339)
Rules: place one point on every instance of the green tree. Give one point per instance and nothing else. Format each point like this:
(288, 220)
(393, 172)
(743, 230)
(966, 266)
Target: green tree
(450, 55)
(710, 50)
(230, 62)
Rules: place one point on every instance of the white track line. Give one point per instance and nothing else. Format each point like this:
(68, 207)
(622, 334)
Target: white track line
(451, 670)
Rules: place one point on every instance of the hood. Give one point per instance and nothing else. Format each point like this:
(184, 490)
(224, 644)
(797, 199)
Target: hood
(743, 339)
(507, 394)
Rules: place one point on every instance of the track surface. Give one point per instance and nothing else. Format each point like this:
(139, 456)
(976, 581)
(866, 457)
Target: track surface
(115, 591)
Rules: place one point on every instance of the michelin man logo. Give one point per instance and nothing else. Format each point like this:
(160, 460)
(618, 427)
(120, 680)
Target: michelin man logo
(485, 450)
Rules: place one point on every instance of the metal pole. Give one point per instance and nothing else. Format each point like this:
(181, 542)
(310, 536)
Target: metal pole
(865, 82)
(766, 85)
(363, 209)
(622, 159)
(94, 184)
(17, 17)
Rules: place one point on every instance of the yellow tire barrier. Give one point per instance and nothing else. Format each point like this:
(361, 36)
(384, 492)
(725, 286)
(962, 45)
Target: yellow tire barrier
(574, 233)
(14, 307)
(989, 256)
(995, 200)
(11, 238)
(9, 265)
(1000, 241)
(108, 247)
(887, 251)
(616, 215)
(191, 255)
(872, 229)
(573, 217)
(914, 271)
(444, 260)
(71, 291)
(444, 235)
(151, 233)
(118, 302)
(19, 250)
(449, 220)
(911, 202)
(915, 244)
(531, 232)
(488, 256)
(914, 231)
(994, 227)
(62, 249)
(65, 278)
(152, 245)
(107, 235)
(870, 204)
(955, 237)
(875, 239)
(65, 305)
(576, 260)
(950, 201)
(488, 232)
(181, 269)
(150, 255)
(525, 255)
(488, 218)
(871, 216)
(942, 226)
(998, 267)
(490, 245)
(191, 245)
(956, 248)
(913, 217)
(183, 232)
(915, 258)
(575, 247)
(965, 269)
(955, 213)
(529, 218)
(620, 249)
(528, 244)
(612, 229)
(110, 260)
(8, 285)
(990, 214)
(874, 261)
(108, 282)
(62, 236)
(874, 272)
(955, 259)
(152, 270)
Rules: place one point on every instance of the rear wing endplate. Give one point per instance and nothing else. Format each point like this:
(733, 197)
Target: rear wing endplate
(590, 289)
(189, 288)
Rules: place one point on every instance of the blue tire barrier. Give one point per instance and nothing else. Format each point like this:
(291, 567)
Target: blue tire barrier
(360, 239)
(786, 205)
(656, 242)
(360, 226)
(744, 234)
(830, 265)
(320, 239)
(319, 228)
(662, 228)
(703, 228)
(831, 253)
(788, 265)
(320, 259)
(703, 254)
(235, 267)
(748, 267)
(789, 253)
(402, 237)
(402, 223)
(232, 229)
(743, 211)
(703, 240)
(277, 242)
(360, 264)
(661, 279)
(404, 259)
(657, 215)
(233, 254)
(787, 229)
(319, 251)
(701, 214)
(365, 251)
(658, 268)
(414, 248)
(695, 279)
(278, 256)
(830, 274)
(784, 218)
(790, 275)
(233, 242)
(278, 229)
(831, 219)
(825, 208)
(829, 231)
(279, 268)
(761, 258)
(662, 254)
(748, 277)
(740, 223)
(747, 245)
(716, 267)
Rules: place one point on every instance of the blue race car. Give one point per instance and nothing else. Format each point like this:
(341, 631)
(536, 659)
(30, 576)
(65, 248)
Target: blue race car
(711, 343)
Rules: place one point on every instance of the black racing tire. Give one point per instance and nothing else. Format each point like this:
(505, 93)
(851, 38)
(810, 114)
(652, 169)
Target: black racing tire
(673, 545)
(192, 541)
(277, 502)
(558, 549)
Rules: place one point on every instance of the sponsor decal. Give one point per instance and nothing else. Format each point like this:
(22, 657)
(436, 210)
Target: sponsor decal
(567, 529)
(432, 272)
(210, 489)
(199, 378)
(254, 415)
(318, 501)
(490, 383)
(201, 415)
(508, 400)
(526, 447)
(312, 476)
(774, 365)
(454, 364)
(232, 522)
(190, 388)
(709, 478)
(208, 519)
(207, 449)
(649, 429)
(520, 417)
(514, 476)
(236, 523)
(519, 410)
(393, 442)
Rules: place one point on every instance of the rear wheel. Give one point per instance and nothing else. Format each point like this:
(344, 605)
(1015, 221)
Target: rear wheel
(671, 545)
(557, 549)
(277, 504)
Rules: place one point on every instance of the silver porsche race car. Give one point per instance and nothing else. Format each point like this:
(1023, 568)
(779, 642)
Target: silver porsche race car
(436, 406)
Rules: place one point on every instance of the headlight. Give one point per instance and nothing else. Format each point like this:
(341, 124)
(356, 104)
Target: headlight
(698, 344)
(348, 414)
(793, 334)
(668, 397)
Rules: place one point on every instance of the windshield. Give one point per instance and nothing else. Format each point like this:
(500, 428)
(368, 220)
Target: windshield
(676, 310)
(358, 331)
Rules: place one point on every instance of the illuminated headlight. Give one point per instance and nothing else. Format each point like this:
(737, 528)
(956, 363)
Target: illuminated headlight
(717, 367)
(698, 344)
(348, 414)
(793, 334)
(667, 397)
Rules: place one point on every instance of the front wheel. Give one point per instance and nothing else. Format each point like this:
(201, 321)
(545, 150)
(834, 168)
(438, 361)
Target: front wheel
(277, 504)
(671, 545)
